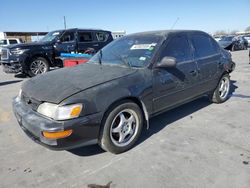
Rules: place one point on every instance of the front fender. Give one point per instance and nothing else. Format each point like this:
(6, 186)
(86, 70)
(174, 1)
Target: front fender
(48, 54)
(98, 99)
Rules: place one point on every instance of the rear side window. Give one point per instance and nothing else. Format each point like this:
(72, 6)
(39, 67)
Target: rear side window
(85, 37)
(101, 36)
(178, 47)
(13, 41)
(68, 37)
(204, 46)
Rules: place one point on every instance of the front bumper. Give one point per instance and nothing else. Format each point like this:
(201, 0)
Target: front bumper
(11, 67)
(13, 64)
(85, 129)
(233, 65)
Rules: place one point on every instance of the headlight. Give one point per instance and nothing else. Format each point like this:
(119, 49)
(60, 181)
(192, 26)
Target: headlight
(60, 112)
(18, 98)
(18, 51)
(20, 93)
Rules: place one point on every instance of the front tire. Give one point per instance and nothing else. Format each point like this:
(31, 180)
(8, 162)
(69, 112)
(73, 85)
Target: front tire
(38, 65)
(221, 93)
(233, 48)
(122, 126)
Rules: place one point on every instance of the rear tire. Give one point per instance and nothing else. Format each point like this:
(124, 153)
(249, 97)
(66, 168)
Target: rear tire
(122, 126)
(38, 65)
(221, 93)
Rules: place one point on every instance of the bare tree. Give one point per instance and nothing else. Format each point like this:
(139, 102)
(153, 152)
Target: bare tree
(233, 32)
(248, 28)
(221, 32)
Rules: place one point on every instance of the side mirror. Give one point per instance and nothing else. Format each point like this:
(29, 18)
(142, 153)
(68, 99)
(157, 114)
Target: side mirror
(58, 41)
(167, 62)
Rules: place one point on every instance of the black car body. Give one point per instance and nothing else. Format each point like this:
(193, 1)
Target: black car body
(37, 57)
(139, 76)
(249, 56)
(247, 37)
(244, 42)
(232, 43)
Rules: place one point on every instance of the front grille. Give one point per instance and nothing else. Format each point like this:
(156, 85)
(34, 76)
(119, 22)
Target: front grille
(5, 54)
(30, 101)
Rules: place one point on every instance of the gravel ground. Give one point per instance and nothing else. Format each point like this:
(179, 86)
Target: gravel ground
(196, 145)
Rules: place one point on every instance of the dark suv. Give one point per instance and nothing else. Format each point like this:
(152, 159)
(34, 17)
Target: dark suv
(132, 79)
(37, 57)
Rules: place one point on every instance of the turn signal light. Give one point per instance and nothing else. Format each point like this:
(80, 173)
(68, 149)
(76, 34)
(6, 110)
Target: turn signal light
(75, 112)
(57, 135)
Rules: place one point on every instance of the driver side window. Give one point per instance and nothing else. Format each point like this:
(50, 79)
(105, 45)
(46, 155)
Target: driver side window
(179, 48)
(68, 37)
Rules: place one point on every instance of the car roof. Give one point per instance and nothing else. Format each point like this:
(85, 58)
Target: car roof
(165, 33)
(81, 29)
(10, 39)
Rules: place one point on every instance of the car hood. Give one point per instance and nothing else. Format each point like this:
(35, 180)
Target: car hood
(28, 45)
(58, 85)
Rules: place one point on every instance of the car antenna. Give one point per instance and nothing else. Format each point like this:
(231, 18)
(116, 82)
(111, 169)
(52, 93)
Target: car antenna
(177, 19)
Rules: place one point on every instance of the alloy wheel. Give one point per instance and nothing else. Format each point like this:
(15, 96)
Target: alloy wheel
(124, 127)
(224, 87)
(38, 67)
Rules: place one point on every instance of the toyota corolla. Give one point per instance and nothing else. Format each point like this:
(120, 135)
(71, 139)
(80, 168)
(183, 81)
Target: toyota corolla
(109, 99)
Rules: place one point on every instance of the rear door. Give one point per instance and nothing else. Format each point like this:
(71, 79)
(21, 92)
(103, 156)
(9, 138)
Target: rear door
(175, 85)
(86, 41)
(103, 38)
(208, 58)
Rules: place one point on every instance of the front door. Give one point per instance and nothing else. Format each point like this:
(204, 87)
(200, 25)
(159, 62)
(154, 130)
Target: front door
(67, 43)
(175, 85)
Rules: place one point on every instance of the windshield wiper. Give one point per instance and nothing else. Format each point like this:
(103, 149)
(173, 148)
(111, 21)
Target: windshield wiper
(123, 59)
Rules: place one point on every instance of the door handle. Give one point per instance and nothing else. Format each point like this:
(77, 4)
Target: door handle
(193, 72)
(96, 45)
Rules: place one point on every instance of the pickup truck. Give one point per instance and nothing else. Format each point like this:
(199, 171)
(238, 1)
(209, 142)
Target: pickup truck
(9, 41)
(37, 57)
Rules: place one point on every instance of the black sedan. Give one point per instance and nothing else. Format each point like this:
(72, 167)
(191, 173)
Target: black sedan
(233, 43)
(109, 99)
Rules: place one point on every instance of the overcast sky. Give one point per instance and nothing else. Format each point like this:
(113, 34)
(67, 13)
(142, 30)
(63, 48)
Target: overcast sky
(129, 15)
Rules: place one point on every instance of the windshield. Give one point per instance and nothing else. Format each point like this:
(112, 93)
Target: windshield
(133, 51)
(3, 42)
(51, 36)
(227, 39)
